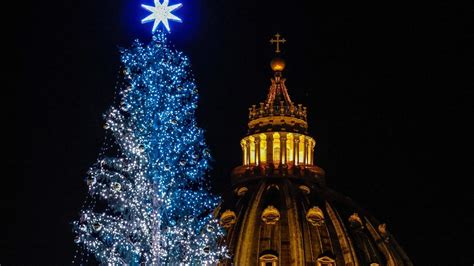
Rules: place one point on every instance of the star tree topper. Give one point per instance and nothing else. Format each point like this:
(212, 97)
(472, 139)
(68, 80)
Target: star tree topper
(161, 12)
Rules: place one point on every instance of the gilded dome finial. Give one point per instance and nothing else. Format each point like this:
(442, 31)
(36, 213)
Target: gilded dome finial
(277, 41)
(277, 63)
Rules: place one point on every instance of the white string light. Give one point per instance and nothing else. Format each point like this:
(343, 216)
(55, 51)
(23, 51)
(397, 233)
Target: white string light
(153, 202)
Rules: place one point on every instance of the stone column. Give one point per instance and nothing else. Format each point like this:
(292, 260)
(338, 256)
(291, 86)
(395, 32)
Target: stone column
(257, 150)
(297, 149)
(244, 150)
(305, 154)
(283, 148)
(248, 151)
(269, 148)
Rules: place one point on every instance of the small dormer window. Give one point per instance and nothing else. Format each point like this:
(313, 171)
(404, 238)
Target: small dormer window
(315, 216)
(227, 219)
(305, 189)
(273, 186)
(270, 215)
(382, 228)
(241, 191)
(325, 261)
(355, 221)
(268, 260)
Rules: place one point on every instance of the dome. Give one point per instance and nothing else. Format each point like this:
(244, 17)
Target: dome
(282, 212)
(300, 228)
(277, 64)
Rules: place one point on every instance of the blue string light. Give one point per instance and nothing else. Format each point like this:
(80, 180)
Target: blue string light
(151, 201)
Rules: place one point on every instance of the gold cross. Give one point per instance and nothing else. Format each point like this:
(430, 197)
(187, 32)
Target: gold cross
(277, 41)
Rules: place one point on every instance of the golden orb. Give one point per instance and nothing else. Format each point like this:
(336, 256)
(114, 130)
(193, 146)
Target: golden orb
(277, 64)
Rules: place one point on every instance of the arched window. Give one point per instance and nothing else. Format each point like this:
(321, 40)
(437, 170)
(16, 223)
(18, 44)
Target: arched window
(263, 148)
(276, 148)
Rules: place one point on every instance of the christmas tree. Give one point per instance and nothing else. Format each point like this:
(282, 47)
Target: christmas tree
(149, 201)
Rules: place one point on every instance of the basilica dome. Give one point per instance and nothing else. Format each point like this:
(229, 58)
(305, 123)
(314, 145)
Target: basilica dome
(282, 212)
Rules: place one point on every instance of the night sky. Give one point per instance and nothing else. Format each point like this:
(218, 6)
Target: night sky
(388, 87)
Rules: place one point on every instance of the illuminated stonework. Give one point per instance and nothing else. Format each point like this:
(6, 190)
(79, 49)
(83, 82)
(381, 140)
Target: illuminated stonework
(289, 149)
(285, 213)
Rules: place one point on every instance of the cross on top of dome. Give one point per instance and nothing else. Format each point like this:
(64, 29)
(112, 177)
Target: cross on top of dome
(277, 41)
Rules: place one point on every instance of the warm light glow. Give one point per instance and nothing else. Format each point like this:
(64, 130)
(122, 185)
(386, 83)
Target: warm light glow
(289, 147)
(256, 154)
(277, 64)
(308, 152)
(244, 151)
(263, 148)
(276, 148)
(252, 150)
(301, 150)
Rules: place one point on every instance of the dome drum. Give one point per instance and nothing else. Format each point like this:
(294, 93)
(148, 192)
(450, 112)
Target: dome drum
(278, 148)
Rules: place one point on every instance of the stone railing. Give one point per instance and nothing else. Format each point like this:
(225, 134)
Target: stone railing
(265, 110)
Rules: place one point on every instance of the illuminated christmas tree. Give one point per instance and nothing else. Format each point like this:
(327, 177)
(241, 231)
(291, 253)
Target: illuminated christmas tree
(149, 201)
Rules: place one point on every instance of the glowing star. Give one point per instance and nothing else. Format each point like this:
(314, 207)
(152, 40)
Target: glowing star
(161, 12)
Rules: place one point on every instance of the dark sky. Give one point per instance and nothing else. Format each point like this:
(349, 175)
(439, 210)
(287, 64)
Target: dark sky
(388, 85)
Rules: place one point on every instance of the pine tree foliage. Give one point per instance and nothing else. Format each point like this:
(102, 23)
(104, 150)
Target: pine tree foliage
(149, 201)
